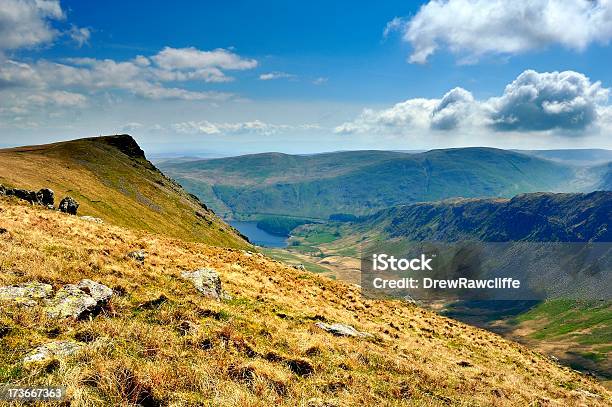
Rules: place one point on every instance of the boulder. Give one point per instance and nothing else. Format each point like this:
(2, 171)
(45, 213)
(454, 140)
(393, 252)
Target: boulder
(138, 255)
(52, 350)
(24, 194)
(92, 219)
(342, 330)
(99, 292)
(207, 282)
(79, 301)
(69, 205)
(46, 197)
(27, 294)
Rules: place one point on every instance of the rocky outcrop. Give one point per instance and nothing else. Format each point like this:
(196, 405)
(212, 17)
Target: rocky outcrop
(99, 292)
(342, 330)
(126, 144)
(79, 301)
(69, 205)
(44, 196)
(207, 282)
(27, 293)
(52, 350)
(137, 255)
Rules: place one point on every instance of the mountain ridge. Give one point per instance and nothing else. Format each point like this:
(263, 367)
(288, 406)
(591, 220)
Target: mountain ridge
(112, 179)
(361, 182)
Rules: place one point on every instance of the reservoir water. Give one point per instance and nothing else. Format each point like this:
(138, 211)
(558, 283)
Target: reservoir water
(258, 236)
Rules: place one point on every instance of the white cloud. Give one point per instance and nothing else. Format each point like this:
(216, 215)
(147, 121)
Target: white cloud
(27, 23)
(33, 23)
(405, 116)
(250, 127)
(131, 126)
(473, 28)
(275, 75)
(80, 35)
(192, 58)
(319, 81)
(142, 76)
(566, 102)
(544, 101)
(454, 108)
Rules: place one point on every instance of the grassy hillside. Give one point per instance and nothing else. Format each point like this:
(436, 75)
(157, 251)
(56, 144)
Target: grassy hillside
(159, 342)
(542, 217)
(578, 332)
(362, 182)
(111, 179)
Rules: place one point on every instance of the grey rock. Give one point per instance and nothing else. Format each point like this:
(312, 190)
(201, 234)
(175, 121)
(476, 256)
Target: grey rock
(99, 292)
(207, 282)
(69, 205)
(300, 267)
(71, 301)
(342, 330)
(52, 350)
(45, 197)
(26, 294)
(138, 255)
(92, 219)
(79, 301)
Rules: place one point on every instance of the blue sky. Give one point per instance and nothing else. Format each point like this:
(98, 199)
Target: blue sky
(244, 76)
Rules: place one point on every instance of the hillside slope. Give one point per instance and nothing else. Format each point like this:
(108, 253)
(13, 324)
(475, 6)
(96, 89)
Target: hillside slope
(577, 332)
(361, 182)
(541, 217)
(259, 348)
(111, 179)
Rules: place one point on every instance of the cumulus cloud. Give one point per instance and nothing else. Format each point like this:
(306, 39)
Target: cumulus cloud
(402, 117)
(27, 23)
(473, 28)
(143, 76)
(455, 107)
(32, 23)
(551, 101)
(250, 127)
(544, 101)
(275, 75)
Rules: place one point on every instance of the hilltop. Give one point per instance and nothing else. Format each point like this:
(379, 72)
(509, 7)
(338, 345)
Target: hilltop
(362, 182)
(111, 179)
(160, 342)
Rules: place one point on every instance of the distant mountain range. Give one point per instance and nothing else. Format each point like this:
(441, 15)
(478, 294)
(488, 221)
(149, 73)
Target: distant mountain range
(363, 182)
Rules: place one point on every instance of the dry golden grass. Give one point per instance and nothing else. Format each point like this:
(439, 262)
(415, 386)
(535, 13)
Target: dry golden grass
(256, 349)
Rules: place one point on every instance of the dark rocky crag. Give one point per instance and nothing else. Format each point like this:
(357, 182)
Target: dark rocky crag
(539, 217)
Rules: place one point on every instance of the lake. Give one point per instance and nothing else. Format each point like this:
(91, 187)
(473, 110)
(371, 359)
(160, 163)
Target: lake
(258, 236)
